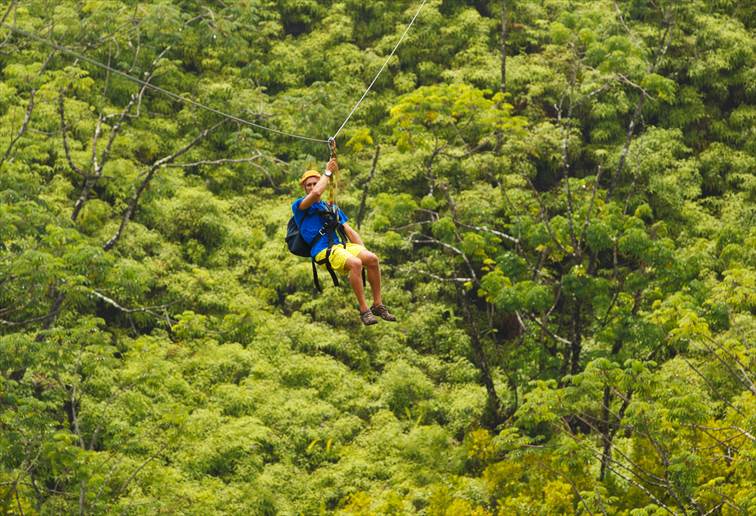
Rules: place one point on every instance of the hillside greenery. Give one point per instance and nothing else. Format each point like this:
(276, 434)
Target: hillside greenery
(562, 194)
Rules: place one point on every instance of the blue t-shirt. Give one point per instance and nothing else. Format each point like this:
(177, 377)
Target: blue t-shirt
(309, 223)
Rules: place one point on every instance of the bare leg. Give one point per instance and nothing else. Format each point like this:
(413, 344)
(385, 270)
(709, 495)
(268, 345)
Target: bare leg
(370, 261)
(354, 266)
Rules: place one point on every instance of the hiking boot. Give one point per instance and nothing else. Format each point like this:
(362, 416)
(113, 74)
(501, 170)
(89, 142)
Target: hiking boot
(368, 318)
(382, 312)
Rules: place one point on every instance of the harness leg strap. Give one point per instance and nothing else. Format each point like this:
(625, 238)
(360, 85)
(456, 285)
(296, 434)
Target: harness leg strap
(315, 276)
(329, 267)
(334, 277)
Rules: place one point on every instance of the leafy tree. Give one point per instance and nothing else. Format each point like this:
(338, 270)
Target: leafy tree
(561, 194)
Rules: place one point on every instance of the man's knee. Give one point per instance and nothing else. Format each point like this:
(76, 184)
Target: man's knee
(369, 259)
(353, 264)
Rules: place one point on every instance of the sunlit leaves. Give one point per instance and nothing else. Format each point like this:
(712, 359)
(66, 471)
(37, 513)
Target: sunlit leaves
(581, 246)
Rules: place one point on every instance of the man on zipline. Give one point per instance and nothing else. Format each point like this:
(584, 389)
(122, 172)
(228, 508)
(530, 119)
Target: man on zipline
(350, 256)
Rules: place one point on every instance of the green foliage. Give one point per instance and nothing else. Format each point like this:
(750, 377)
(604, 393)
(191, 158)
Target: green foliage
(570, 249)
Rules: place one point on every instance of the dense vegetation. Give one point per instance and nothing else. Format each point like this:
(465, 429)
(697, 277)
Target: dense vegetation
(562, 196)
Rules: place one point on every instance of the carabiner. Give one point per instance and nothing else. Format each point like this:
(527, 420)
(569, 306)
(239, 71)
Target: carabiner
(332, 147)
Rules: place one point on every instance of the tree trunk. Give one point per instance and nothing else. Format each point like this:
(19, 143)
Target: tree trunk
(361, 212)
(503, 44)
(577, 339)
(492, 416)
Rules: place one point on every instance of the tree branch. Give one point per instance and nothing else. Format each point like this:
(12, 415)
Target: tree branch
(616, 472)
(711, 386)
(138, 469)
(144, 309)
(215, 162)
(630, 132)
(11, 5)
(447, 280)
(64, 132)
(411, 225)
(547, 330)
(366, 188)
(7, 12)
(22, 130)
(133, 203)
(489, 230)
(481, 361)
(431, 240)
(52, 313)
(592, 203)
(544, 217)
(634, 85)
(743, 367)
(566, 164)
(99, 166)
(745, 380)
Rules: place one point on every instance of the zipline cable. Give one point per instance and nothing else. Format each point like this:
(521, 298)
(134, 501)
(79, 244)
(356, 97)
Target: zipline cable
(381, 70)
(194, 103)
(165, 92)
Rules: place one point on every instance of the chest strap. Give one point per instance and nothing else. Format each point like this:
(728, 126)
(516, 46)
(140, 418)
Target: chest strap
(331, 227)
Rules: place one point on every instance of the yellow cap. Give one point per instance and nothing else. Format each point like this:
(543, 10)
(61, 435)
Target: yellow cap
(309, 174)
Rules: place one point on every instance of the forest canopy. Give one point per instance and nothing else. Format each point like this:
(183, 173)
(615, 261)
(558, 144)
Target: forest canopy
(562, 195)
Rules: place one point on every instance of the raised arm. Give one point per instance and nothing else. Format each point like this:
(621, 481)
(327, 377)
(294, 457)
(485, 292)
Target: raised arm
(317, 191)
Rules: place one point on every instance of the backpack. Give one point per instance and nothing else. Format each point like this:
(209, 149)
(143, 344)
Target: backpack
(294, 240)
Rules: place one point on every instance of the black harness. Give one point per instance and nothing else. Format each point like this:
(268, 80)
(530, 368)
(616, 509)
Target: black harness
(331, 227)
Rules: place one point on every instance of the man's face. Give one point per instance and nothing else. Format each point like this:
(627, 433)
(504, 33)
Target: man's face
(309, 184)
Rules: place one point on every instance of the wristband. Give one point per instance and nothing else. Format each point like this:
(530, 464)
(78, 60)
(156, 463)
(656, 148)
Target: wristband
(328, 173)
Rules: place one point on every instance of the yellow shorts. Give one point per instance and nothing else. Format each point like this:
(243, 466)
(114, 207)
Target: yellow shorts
(339, 255)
